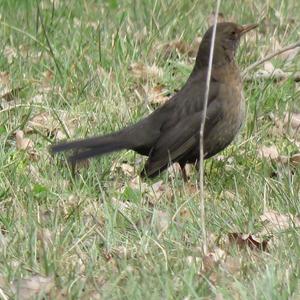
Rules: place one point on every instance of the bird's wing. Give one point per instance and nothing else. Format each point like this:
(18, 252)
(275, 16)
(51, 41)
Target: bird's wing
(178, 141)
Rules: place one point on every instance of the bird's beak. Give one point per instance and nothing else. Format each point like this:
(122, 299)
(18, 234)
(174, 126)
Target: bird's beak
(246, 28)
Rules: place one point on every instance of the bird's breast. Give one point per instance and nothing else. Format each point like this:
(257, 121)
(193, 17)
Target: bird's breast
(233, 113)
(233, 106)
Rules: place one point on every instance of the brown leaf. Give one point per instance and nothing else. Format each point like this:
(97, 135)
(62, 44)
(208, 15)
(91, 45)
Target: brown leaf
(292, 120)
(138, 184)
(50, 126)
(5, 89)
(157, 189)
(23, 143)
(289, 55)
(32, 287)
(43, 122)
(45, 236)
(248, 241)
(161, 220)
(229, 195)
(275, 221)
(274, 45)
(12, 94)
(156, 95)
(178, 47)
(252, 37)
(232, 264)
(4, 79)
(3, 281)
(213, 258)
(10, 53)
(211, 18)
(276, 74)
(295, 160)
(123, 206)
(127, 169)
(289, 126)
(219, 296)
(268, 67)
(269, 152)
(185, 213)
(145, 72)
(174, 170)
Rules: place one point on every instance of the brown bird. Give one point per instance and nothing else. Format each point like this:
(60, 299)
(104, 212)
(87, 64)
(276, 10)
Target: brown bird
(171, 133)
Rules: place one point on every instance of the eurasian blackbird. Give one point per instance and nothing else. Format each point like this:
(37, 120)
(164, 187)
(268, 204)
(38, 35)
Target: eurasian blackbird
(171, 133)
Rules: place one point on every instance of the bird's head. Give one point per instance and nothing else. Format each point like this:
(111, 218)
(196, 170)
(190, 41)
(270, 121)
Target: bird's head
(226, 42)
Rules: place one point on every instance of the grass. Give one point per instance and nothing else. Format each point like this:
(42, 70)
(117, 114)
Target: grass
(76, 231)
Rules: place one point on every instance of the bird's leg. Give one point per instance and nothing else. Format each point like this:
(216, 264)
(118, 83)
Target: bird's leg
(183, 171)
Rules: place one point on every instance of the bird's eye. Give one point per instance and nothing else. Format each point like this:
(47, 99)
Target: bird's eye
(232, 32)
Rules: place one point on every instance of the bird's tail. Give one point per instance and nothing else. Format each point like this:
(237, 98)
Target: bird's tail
(91, 147)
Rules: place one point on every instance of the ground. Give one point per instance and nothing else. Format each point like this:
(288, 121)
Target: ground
(71, 69)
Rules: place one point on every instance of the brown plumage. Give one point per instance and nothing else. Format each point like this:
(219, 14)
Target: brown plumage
(171, 133)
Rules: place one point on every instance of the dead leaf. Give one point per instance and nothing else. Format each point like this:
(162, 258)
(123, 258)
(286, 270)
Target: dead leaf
(157, 95)
(228, 195)
(295, 160)
(289, 126)
(45, 236)
(127, 169)
(93, 295)
(145, 72)
(7, 93)
(10, 53)
(219, 296)
(161, 220)
(102, 73)
(213, 258)
(157, 188)
(274, 45)
(3, 295)
(78, 23)
(4, 79)
(137, 184)
(50, 126)
(185, 213)
(292, 120)
(123, 206)
(289, 55)
(43, 122)
(275, 221)
(3, 281)
(211, 18)
(276, 74)
(23, 143)
(269, 152)
(46, 85)
(252, 37)
(32, 287)
(268, 67)
(140, 35)
(178, 47)
(174, 170)
(248, 241)
(232, 264)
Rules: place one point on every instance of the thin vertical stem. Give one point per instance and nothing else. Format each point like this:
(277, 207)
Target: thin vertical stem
(201, 169)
